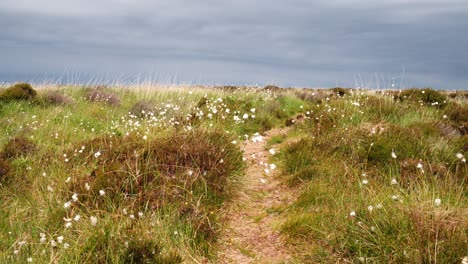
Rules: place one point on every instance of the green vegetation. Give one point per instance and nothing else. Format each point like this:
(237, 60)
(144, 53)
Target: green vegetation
(141, 174)
(381, 181)
(116, 175)
(20, 91)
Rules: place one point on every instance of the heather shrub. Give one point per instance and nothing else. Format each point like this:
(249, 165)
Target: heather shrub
(18, 146)
(98, 95)
(20, 91)
(58, 98)
(189, 171)
(458, 116)
(272, 88)
(142, 109)
(426, 96)
(5, 167)
(339, 91)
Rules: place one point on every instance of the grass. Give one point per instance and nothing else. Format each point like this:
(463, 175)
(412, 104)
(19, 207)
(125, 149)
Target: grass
(141, 174)
(87, 177)
(358, 203)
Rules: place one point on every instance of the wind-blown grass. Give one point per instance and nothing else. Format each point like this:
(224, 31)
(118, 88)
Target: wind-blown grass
(381, 182)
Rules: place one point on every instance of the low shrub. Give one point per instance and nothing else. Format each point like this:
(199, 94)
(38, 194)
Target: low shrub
(339, 91)
(189, 171)
(5, 167)
(142, 109)
(97, 95)
(458, 116)
(18, 146)
(58, 98)
(20, 91)
(426, 96)
(272, 88)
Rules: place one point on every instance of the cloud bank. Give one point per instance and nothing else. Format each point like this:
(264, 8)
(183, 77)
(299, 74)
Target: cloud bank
(294, 43)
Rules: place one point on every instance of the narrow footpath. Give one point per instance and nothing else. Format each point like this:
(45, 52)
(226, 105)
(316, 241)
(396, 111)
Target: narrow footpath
(251, 236)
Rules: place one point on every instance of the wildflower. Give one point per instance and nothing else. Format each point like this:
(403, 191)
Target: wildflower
(372, 228)
(87, 187)
(77, 218)
(93, 220)
(29, 260)
(252, 110)
(370, 208)
(272, 151)
(352, 214)
(60, 239)
(263, 181)
(50, 189)
(145, 137)
(437, 202)
(102, 192)
(419, 165)
(245, 116)
(97, 154)
(68, 224)
(394, 197)
(75, 197)
(459, 156)
(68, 180)
(132, 216)
(364, 182)
(234, 142)
(140, 214)
(221, 161)
(379, 206)
(190, 173)
(16, 252)
(394, 182)
(124, 211)
(66, 245)
(53, 243)
(394, 155)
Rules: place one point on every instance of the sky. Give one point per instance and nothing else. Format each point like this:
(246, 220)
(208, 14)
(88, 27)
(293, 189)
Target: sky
(296, 43)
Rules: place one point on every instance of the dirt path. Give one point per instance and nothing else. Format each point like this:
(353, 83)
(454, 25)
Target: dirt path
(251, 236)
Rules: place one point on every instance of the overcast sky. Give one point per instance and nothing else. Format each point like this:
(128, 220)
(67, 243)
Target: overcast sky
(302, 43)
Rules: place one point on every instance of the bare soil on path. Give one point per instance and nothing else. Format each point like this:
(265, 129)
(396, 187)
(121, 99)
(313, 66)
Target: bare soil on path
(251, 236)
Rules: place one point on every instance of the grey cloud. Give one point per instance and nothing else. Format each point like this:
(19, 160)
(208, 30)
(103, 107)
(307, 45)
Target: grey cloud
(300, 43)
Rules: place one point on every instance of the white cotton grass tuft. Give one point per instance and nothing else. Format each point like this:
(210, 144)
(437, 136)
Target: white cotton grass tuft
(102, 192)
(437, 202)
(394, 182)
(93, 220)
(67, 205)
(352, 214)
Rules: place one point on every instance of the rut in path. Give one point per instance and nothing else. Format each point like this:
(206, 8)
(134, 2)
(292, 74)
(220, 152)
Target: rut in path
(250, 236)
